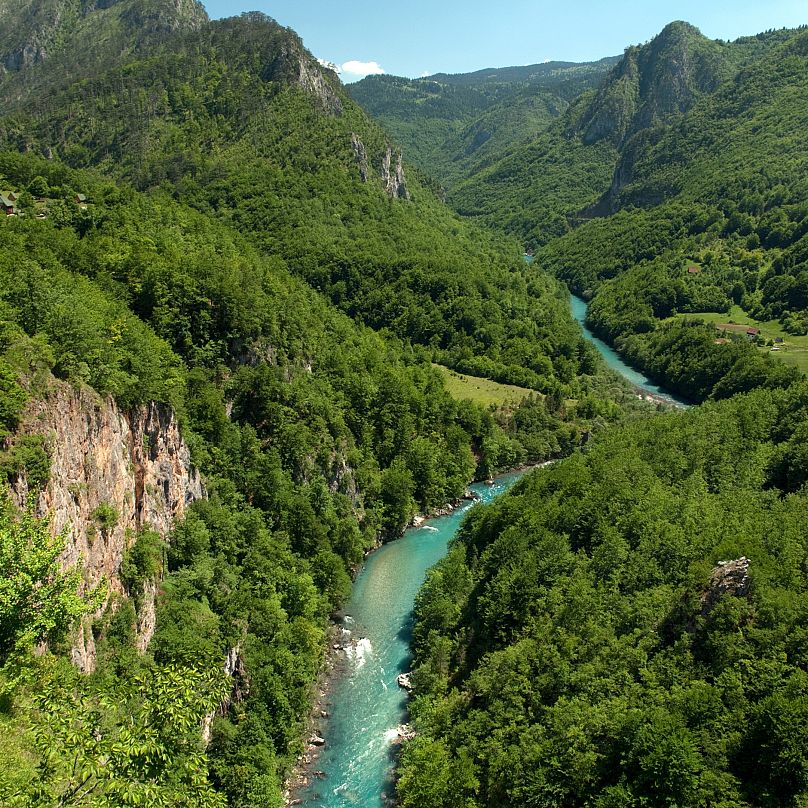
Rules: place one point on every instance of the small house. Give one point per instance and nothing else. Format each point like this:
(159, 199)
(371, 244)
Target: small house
(7, 204)
(778, 340)
(693, 270)
(752, 333)
(81, 199)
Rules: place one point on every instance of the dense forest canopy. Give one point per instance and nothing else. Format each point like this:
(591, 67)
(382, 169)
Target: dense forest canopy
(200, 216)
(582, 643)
(204, 219)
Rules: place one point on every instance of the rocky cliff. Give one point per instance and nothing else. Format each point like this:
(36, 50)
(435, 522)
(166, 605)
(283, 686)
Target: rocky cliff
(645, 92)
(112, 475)
(32, 31)
(393, 175)
(653, 83)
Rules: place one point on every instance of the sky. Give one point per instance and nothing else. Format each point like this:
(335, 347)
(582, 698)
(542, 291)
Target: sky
(420, 37)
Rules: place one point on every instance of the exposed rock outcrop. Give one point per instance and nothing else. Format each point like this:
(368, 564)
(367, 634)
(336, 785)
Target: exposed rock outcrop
(393, 175)
(648, 89)
(112, 474)
(146, 616)
(727, 578)
(653, 84)
(310, 77)
(234, 668)
(361, 157)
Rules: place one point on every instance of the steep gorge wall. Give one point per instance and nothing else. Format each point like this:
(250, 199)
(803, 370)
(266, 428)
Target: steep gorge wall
(132, 465)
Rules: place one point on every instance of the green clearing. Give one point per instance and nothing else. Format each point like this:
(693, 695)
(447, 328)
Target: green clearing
(793, 350)
(483, 391)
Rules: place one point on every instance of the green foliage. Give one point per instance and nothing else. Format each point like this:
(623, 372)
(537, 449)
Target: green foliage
(26, 456)
(12, 400)
(407, 266)
(105, 516)
(572, 649)
(38, 601)
(142, 748)
(143, 559)
(701, 193)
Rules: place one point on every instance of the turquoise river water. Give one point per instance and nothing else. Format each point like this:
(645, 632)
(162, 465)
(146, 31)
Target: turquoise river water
(613, 360)
(365, 703)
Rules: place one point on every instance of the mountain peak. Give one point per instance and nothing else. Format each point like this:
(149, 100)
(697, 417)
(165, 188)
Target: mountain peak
(653, 83)
(678, 28)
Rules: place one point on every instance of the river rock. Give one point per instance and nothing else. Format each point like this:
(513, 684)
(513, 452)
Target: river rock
(316, 740)
(405, 681)
(404, 732)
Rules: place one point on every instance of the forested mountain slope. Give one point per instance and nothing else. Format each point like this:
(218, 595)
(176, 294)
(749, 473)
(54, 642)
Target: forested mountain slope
(538, 190)
(710, 212)
(453, 125)
(628, 627)
(676, 187)
(241, 122)
(178, 192)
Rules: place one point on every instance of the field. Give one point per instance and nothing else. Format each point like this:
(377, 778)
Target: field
(793, 350)
(483, 391)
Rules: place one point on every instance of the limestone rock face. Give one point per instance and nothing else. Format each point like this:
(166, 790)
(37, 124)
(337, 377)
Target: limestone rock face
(361, 157)
(310, 77)
(653, 83)
(393, 175)
(134, 466)
(235, 668)
(727, 578)
(612, 113)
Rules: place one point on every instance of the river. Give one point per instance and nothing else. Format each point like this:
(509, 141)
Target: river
(639, 380)
(365, 704)
(613, 360)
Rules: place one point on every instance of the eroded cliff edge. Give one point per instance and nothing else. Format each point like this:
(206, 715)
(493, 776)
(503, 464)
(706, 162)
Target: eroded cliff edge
(113, 474)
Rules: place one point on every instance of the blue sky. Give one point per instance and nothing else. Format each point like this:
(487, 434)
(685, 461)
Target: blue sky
(418, 37)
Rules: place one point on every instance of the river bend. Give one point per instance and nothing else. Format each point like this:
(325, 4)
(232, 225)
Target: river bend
(365, 704)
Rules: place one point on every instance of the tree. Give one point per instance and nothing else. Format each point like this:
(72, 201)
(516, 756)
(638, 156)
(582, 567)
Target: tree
(143, 748)
(38, 600)
(397, 488)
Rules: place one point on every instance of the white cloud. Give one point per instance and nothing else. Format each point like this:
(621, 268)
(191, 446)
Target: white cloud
(425, 74)
(362, 69)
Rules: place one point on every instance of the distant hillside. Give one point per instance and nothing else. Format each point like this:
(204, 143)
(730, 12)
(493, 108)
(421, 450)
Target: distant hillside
(450, 125)
(534, 189)
(551, 75)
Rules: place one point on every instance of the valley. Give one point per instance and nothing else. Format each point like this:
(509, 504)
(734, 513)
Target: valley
(256, 324)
